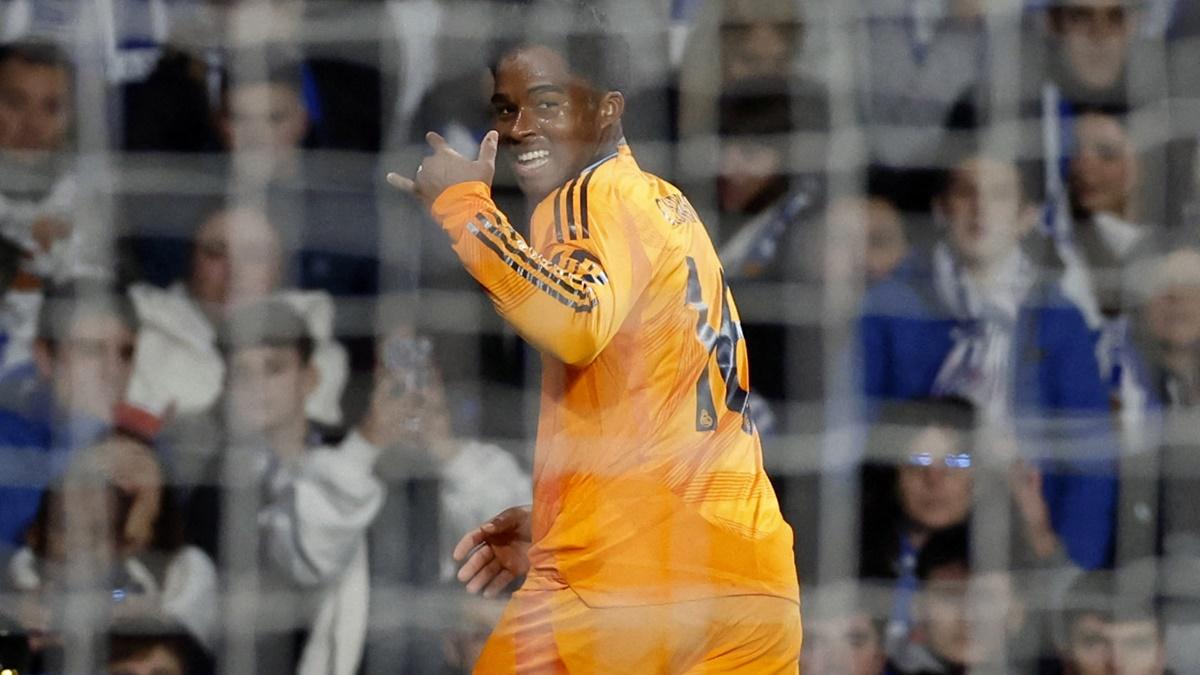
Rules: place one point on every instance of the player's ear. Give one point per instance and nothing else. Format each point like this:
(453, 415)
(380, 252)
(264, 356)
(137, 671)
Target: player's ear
(612, 106)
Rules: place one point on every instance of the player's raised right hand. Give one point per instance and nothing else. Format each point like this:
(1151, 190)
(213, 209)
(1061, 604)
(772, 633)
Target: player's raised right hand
(445, 167)
(496, 552)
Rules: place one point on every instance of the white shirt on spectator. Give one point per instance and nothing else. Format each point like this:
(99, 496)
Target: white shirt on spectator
(313, 525)
(177, 360)
(477, 483)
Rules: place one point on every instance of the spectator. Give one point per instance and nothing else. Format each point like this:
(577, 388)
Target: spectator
(1103, 182)
(1103, 174)
(1159, 397)
(842, 635)
(920, 479)
(758, 44)
(965, 320)
(84, 353)
(37, 186)
(767, 229)
(170, 111)
(1107, 627)
(1088, 57)
(911, 59)
(757, 48)
(754, 40)
(761, 203)
(311, 503)
(478, 479)
(154, 646)
(1090, 42)
(969, 610)
(237, 259)
(1103, 179)
(1168, 330)
(440, 486)
(885, 237)
(331, 217)
(1084, 57)
(111, 518)
(265, 119)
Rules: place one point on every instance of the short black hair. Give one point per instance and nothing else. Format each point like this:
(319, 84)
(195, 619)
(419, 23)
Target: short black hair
(593, 50)
(38, 53)
(756, 107)
(269, 323)
(952, 546)
(1055, 8)
(280, 71)
(967, 145)
(899, 420)
(64, 303)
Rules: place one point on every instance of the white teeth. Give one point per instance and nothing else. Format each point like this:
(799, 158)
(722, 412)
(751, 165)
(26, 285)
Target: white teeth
(533, 155)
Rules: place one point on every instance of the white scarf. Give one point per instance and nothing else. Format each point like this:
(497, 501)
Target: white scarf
(978, 367)
(339, 631)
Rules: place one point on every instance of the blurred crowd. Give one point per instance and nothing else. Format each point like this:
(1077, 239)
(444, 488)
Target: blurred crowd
(249, 399)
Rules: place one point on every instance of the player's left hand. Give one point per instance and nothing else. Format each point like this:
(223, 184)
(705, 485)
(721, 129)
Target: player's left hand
(445, 167)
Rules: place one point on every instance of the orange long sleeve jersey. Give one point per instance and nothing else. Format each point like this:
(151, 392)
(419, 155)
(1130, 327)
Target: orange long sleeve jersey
(648, 477)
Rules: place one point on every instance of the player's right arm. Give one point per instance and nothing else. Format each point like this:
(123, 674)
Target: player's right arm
(568, 305)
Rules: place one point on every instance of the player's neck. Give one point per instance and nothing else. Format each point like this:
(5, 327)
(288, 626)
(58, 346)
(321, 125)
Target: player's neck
(609, 142)
(612, 138)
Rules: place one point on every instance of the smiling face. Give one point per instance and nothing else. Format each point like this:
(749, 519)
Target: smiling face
(552, 123)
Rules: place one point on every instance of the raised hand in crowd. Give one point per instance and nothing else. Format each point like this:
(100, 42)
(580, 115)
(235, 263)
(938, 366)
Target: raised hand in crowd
(132, 468)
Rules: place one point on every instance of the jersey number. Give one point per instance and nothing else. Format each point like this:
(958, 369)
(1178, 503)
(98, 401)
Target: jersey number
(721, 344)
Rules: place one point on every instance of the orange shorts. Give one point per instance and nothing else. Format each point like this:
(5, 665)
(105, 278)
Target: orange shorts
(553, 631)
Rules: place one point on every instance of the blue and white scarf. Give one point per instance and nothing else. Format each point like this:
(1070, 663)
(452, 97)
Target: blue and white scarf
(978, 367)
(756, 245)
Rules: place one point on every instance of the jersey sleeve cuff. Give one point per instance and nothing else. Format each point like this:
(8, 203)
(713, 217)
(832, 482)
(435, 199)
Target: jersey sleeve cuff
(459, 203)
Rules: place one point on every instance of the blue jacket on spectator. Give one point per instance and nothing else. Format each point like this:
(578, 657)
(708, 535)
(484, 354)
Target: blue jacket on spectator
(906, 335)
(34, 451)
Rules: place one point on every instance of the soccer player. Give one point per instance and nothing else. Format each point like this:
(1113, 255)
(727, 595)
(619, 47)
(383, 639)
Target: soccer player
(654, 542)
